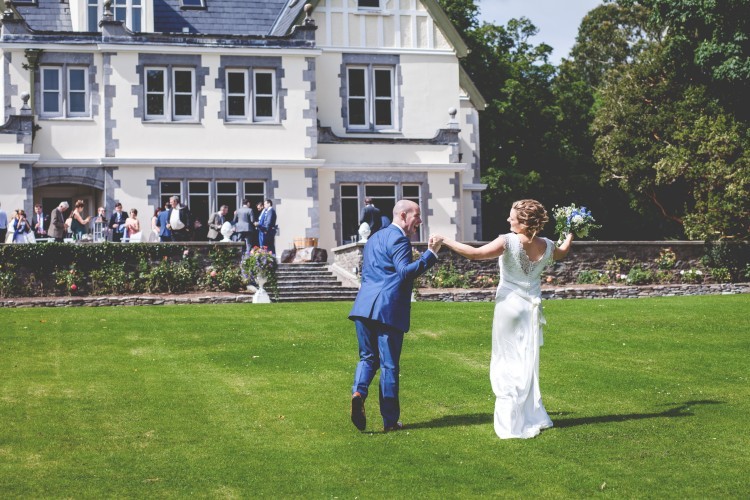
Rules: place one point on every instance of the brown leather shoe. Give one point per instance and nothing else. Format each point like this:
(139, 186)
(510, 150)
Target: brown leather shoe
(358, 411)
(395, 427)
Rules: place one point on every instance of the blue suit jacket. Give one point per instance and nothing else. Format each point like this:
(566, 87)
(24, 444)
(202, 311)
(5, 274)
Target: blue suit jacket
(267, 221)
(388, 275)
(161, 221)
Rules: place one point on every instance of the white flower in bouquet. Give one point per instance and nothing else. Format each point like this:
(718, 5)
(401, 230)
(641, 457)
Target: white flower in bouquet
(573, 219)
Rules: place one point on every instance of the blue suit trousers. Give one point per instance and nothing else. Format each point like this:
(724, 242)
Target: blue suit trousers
(379, 347)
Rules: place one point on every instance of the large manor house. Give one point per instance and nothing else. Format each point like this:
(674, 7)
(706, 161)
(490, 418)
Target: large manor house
(314, 105)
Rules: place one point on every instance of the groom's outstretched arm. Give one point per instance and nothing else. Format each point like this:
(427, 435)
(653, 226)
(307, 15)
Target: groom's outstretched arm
(407, 269)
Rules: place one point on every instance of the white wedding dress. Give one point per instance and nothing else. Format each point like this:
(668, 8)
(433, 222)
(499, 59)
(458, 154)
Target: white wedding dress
(516, 338)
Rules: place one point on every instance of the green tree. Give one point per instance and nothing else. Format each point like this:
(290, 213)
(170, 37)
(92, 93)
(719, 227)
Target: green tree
(669, 144)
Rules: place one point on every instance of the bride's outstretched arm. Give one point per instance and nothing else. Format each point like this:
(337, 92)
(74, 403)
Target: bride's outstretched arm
(491, 250)
(561, 251)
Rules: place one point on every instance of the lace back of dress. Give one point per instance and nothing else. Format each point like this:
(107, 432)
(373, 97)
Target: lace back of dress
(516, 264)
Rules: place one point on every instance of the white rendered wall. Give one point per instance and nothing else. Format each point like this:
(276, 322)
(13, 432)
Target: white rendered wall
(326, 178)
(443, 205)
(293, 206)
(401, 24)
(211, 138)
(133, 192)
(12, 196)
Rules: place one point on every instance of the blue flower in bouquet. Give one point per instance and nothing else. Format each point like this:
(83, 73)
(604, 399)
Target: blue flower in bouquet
(577, 220)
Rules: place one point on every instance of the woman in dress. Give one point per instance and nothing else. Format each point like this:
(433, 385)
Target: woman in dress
(20, 228)
(133, 226)
(154, 234)
(77, 222)
(518, 319)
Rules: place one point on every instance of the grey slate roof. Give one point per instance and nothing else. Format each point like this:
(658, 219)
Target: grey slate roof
(47, 15)
(220, 17)
(289, 13)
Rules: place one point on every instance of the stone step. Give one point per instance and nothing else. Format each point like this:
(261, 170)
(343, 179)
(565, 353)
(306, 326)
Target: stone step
(310, 274)
(311, 282)
(306, 285)
(346, 295)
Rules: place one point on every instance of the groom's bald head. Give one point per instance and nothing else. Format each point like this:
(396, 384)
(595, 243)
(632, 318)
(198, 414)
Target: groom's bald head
(407, 216)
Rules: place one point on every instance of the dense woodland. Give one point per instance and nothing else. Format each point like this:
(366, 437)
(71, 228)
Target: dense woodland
(645, 122)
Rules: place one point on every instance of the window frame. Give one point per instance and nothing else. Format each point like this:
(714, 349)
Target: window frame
(69, 92)
(251, 95)
(175, 94)
(256, 95)
(64, 91)
(164, 93)
(371, 97)
(170, 94)
(369, 7)
(202, 5)
(244, 117)
(59, 91)
(129, 8)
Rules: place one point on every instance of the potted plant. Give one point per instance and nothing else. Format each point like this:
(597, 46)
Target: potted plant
(259, 266)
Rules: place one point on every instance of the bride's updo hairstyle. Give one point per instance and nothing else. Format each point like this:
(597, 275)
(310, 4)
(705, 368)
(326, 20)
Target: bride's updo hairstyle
(531, 214)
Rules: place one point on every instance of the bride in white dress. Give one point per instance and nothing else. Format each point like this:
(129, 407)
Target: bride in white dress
(518, 319)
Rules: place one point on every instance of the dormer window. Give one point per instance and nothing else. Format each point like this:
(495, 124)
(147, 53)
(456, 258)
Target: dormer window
(193, 4)
(368, 4)
(128, 11)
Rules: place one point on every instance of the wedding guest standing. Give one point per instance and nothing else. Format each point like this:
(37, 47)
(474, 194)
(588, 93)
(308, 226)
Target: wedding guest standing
(3, 224)
(21, 228)
(39, 222)
(162, 222)
(117, 223)
(382, 310)
(133, 226)
(100, 216)
(267, 227)
(518, 319)
(244, 224)
(57, 222)
(154, 234)
(180, 222)
(215, 222)
(77, 222)
(371, 215)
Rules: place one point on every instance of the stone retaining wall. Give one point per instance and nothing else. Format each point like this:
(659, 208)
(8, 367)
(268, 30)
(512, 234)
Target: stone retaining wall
(584, 255)
(592, 292)
(431, 295)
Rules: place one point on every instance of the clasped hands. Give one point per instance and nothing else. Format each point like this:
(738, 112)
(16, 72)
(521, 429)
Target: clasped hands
(434, 243)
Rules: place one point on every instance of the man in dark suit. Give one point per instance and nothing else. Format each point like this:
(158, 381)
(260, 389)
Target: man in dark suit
(117, 222)
(371, 215)
(244, 224)
(267, 227)
(179, 220)
(382, 310)
(162, 221)
(39, 222)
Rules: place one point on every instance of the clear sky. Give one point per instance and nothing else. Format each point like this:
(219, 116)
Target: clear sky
(556, 20)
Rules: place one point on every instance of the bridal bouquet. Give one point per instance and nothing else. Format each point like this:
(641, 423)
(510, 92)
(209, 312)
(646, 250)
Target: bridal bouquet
(577, 220)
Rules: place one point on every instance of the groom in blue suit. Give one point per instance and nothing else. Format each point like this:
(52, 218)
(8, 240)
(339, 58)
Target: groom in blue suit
(382, 310)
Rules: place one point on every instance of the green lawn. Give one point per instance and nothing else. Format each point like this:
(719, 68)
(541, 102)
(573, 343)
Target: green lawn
(649, 399)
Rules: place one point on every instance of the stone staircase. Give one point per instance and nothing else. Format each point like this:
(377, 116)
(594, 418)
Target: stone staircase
(311, 282)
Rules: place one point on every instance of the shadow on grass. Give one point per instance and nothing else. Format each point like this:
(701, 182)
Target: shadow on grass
(682, 410)
(454, 421)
